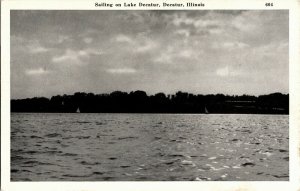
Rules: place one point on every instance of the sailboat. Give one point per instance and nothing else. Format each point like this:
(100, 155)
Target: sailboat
(78, 110)
(206, 111)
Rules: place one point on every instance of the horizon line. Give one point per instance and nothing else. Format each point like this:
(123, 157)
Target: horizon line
(128, 92)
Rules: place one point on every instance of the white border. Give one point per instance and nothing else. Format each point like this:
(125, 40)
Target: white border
(294, 90)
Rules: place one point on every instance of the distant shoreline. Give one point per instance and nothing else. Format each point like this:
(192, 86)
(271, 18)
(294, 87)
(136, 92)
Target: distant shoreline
(139, 102)
(153, 113)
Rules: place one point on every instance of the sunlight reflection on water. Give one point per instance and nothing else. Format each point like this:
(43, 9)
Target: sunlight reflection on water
(103, 147)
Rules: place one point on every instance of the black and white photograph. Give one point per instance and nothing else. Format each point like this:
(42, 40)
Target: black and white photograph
(149, 95)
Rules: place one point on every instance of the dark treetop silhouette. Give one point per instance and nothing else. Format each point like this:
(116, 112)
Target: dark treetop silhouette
(140, 102)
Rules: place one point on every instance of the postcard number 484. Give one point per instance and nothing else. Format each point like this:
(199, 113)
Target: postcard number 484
(269, 4)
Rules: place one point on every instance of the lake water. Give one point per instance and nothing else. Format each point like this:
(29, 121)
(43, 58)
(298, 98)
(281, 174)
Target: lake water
(148, 147)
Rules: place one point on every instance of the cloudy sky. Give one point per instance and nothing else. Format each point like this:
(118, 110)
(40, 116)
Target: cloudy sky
(230, 52)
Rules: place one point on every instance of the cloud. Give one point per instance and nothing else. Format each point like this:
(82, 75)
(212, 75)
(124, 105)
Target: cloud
(271, 50)
(206, 24)
(88, 40)
(37, 48)
(121, 71)
(38, 71)
(183, 32)
(76, 56)
(89, 51)
(143, 49)
(68, 56)
(165, 56)
(247, 21)
(216, 31)
(179, 54)
(145, 45)
(180, 19)
(140, 44)
(227, 45)
(123, 38)
(234, 45)
(223, 71)
(186, 53)
(62, 38)
(227, 71)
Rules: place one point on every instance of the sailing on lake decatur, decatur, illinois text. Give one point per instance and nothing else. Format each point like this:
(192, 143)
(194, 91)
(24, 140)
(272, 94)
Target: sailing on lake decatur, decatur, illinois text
(128, 5)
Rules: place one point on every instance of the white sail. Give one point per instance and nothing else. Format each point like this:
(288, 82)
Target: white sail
(206, 111)
(78, 110)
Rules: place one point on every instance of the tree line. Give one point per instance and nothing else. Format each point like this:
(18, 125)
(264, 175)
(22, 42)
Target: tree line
(140, 102)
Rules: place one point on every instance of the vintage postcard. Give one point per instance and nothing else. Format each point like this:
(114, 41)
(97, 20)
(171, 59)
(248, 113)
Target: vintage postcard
(150, 95)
